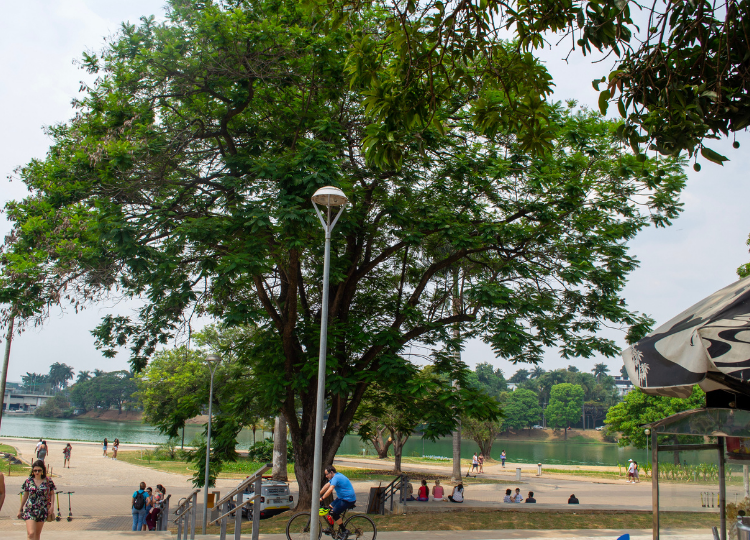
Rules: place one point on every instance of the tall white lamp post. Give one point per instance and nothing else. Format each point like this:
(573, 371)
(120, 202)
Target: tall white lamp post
(330, 197)
(213, 361)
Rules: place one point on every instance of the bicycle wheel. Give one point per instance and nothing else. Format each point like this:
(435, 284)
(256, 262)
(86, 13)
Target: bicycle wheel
(298, 527)
(361, 528)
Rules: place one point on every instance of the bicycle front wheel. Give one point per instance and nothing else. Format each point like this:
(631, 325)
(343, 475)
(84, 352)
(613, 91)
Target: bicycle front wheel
(298, 527)
(361, 528)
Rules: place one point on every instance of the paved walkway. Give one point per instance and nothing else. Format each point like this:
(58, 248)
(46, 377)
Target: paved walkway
(637, 534)
(103, 488)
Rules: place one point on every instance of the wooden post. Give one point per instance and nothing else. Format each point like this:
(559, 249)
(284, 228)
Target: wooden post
(722, 489)
(655, 483)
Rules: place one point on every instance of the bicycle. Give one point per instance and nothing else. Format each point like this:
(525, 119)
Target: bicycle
(360, 526)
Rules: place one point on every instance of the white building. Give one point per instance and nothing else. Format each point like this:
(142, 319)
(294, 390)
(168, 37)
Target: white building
(623, 385)
(21, 401)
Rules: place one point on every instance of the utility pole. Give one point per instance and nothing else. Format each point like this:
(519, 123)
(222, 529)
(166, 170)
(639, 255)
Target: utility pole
(6, 360)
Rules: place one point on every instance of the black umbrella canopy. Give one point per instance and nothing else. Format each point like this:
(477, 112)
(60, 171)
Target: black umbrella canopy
(707, 344)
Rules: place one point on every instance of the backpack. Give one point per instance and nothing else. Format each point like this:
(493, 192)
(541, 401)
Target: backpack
(140, 501)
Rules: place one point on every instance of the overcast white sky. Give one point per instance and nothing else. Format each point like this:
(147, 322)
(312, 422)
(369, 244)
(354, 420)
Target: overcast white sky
(40, 39)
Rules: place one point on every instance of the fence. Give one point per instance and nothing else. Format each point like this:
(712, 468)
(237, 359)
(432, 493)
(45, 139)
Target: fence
(226, 507)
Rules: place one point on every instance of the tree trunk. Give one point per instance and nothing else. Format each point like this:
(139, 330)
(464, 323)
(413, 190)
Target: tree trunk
(279, 449)
(565, 429)
(381, 447)
(399, 440)
(456, 475)
(676, 454)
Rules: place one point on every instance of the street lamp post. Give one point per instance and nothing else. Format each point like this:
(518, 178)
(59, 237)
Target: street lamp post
(329, 197)
(213, 362)
(647, 432)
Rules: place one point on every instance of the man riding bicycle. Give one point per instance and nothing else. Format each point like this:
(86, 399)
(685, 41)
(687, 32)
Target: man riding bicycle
(345, 497)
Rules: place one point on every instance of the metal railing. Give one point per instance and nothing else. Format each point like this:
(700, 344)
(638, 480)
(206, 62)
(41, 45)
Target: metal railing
(225, 506)
(185, 515)
(390, 490)
(162, 521)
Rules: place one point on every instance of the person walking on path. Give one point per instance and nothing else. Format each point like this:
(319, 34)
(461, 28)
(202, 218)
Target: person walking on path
(2, 490)
(631, 472)
(474, 463)
(36, 503)
(636, 478)
(66, 455)
(105, 447)
(480, 458)
(502, 458)
(41, 451)
(138, 507)
(115, 447)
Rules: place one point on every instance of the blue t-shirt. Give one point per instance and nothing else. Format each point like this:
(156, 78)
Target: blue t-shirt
(343, 486)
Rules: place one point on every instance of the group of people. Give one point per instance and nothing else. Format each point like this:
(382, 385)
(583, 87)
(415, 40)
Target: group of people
(516, 497)
(115, 448)
(146, 506)
(633, 477)
(42, 451)
(438, 493)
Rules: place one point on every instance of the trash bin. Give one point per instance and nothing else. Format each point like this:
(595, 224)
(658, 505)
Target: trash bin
(743, 528)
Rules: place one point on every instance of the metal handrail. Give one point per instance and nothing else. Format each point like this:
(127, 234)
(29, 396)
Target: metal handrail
(248, 501)
(390, 490)
(185, 515)
(223, 505)
(245, 483)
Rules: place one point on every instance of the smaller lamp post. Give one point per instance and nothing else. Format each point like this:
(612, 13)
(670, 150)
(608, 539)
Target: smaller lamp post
(213, 361)
(647, 432)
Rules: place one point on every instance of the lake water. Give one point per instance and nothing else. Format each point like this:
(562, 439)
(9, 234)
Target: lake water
(519, 451)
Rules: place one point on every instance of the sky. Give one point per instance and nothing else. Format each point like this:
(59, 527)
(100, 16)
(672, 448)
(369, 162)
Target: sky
(40, 39)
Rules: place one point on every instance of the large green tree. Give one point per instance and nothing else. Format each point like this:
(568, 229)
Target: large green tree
(521, 409)
(565, 406)
(185, 179)
(638, 408)
(106, 390)
(678, 77)
(175, 387)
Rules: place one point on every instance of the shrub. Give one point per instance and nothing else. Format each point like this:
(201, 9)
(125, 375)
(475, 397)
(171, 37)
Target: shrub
(262, 451)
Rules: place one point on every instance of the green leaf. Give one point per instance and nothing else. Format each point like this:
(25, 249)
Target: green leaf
(710, 155)
(603, 101)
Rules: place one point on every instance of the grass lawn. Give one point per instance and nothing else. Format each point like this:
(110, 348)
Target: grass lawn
(14, 470)
(466, 520)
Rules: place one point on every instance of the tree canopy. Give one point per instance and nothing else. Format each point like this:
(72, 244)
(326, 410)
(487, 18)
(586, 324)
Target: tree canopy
(565, 405)
(185, 180)
(678, 79)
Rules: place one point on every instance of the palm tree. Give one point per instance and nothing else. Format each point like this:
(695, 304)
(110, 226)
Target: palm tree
(599, 371)
(537, 372)
(60, 374)
(83, 376)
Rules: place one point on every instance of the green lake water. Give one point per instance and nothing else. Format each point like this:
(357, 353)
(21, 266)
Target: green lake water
(518, 450)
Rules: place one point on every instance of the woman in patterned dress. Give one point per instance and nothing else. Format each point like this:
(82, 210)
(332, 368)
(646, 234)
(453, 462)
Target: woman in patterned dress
(38, 491)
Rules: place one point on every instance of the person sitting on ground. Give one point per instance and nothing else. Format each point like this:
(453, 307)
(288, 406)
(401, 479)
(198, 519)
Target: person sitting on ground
(458, 494)
(508, 497)
(409, 489)
(518, 497)
(437, 491)
(573, 499)
(530, 498)
(424, 492)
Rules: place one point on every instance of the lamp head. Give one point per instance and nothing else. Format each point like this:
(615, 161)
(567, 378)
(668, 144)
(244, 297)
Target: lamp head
(329, 196)
(213, 358)
(647, 431)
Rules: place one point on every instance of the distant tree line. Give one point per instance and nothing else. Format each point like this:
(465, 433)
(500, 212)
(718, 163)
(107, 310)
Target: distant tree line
(91, 391)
